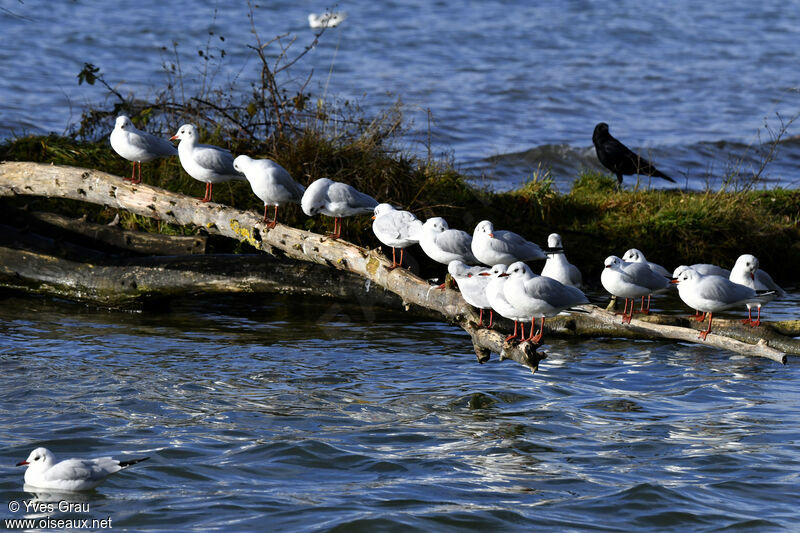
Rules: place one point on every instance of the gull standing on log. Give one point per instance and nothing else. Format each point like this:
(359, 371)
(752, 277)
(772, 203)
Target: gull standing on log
(138, 146)
(71, 474)
(396, 229)
(335, 199)
(540, 296)
(492, 247)
(270, 182)
(500, 305)
(443, 244)
(630, 281)
(746, 272)
(472, 282)
(204, 162)
(557, 266)
(710, 294)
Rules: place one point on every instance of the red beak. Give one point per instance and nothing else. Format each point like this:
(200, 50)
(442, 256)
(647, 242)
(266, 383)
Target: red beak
(484, 274)
(22, 463)
(503, 275)
(491, 235)
(173, 138)
(675, 281)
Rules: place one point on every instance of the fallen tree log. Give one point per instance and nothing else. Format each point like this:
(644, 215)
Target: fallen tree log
(25, 179)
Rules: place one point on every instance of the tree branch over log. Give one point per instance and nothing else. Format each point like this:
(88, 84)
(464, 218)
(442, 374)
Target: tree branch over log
(32, 179)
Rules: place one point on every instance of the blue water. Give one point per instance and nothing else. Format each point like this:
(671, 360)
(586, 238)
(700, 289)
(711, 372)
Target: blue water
(509, 85)
(257, 418)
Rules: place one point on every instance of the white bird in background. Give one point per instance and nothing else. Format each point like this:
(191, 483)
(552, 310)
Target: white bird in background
(536, 295)
(138, 146)
(204, 162)
(396, 229)
(500, 305)
(337, 200)
(326, 20)
(746, 272)
(557, 266)
(702, 268)
(71, 474)
(472, 282)
(630, 281)
(270, 182)
(636, 256)
(443, 244)
(492, 247)
(710, 294)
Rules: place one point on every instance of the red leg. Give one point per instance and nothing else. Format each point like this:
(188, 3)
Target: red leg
(757, 321)
(138, 179)
(133, 172)
(749, 319)
(538, 337)
(274, 221)
(704, 334)
(625, 316)
(533, 327)
(700, 316)
(491, 317)
(265, 213)
(207, 197)
(641, 307)
(515, 332)
(480, 320)
(522, 330)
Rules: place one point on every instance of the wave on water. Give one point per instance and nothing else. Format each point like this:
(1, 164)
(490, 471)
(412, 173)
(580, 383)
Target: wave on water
(699, 166)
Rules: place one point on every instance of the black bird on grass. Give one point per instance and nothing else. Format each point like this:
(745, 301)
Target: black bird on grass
(619, 159)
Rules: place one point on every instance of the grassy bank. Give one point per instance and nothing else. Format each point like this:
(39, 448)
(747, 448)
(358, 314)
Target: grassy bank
(595, 220)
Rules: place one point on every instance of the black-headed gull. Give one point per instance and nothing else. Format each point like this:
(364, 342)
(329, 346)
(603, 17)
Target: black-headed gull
(472, 282)
(138, 146)
(396, 229)
(492, 247)
(705, 269)
(204, 162)
(557, 266)
(443, 244)
(70, 474)
(710, 294)
(630, 281)
(335, 199)
(326, 20)
(500, 305)
(537, 295)
(746, 272)
(270, 182)
(636, 256)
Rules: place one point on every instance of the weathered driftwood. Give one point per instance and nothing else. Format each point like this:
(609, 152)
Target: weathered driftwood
(105, 189)
(136, 241)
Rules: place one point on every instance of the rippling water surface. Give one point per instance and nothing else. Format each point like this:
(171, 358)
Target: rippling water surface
(510, 85)
(256, 417)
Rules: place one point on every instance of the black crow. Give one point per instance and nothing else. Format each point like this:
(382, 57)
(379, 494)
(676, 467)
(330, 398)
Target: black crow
(619, 159)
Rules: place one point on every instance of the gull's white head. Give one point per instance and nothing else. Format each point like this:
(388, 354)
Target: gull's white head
(613, 262)
(123, 123)
(746, 263)
(458, 268)
(497, 270)
(633, 256)
(241, 162)
(39, 459)
(185, 132)
(687, 276)
(554, 241)
(484, 227)
(436, 225)
(382, 209)
(519, 270)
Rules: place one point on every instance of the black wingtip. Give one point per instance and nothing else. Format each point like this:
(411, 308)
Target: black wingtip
(126, 464)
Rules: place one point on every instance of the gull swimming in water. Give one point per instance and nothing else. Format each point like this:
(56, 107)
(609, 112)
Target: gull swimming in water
(492, 247)
(557, 266)
(270, 182)
(536, 295)
(337, 200)
(746, 272)
(396, 229)
(204, 162)
(138, 146)
(710, 294)
(71, 474)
